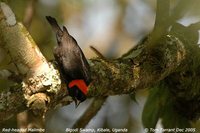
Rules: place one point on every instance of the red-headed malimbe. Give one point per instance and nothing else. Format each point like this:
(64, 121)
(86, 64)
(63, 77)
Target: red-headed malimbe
(72, 63)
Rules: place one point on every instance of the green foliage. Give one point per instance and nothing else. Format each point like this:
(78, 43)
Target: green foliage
(151, 111)
(172, 119)
(153, 107)
(161, 105)
(176, 100)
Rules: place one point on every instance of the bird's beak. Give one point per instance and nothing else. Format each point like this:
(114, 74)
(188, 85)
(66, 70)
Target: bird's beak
(77, 102)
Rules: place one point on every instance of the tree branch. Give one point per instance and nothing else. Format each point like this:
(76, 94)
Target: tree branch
(41, 88)
(161, 22)
(91, 111)
(38, 74)
(29, 13)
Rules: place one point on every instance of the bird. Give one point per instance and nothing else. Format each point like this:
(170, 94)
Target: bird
(72, 63)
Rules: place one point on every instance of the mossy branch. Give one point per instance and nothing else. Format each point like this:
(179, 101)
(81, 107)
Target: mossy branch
(41, 88)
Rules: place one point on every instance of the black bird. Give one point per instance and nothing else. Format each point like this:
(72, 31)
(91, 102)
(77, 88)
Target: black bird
(72, 63)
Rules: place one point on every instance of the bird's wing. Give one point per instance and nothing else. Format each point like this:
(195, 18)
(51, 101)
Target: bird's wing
(85, 68)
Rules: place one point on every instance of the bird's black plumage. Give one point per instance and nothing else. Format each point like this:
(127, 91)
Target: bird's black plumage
(70, 58)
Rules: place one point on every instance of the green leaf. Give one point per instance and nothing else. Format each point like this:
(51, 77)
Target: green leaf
(151, 111)
(158, 97)
(133, 54)
(172, 119)
(186, 33)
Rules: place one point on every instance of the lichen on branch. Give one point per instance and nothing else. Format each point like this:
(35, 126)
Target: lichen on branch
(41, 89)
(38, 75)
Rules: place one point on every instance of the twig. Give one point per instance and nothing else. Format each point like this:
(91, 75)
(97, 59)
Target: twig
(99, 54)
(29, 13)
(182, 7)
(90, 112)
(162, 13)
(161, 24)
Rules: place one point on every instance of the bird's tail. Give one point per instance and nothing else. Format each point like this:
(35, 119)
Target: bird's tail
(56, 28)
(52, 21)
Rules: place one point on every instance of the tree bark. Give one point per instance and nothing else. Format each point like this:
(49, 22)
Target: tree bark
(41, 88)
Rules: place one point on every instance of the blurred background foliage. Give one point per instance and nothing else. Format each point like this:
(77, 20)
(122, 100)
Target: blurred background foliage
(111, 26)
